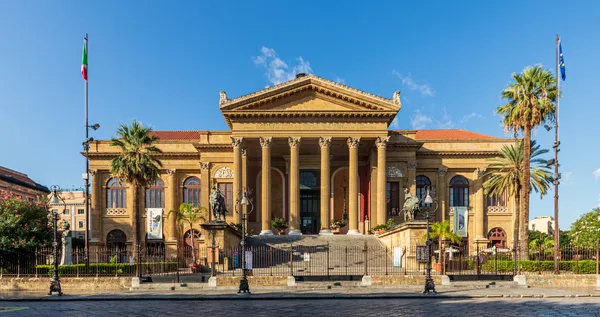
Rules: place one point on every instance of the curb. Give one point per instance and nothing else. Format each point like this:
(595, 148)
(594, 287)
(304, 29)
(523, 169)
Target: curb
(283, 297)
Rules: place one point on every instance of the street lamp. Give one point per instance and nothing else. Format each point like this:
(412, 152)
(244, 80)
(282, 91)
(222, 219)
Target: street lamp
(429, 201)
(244, 288)
(55, 200)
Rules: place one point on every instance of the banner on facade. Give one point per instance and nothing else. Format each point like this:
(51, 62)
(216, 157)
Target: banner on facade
(461, 221)
(155, 224)
(248, 260)
(397, 257)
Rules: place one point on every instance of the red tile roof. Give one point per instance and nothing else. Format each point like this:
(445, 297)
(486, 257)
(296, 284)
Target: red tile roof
(453, 134)
(19, 178)
(177, 135)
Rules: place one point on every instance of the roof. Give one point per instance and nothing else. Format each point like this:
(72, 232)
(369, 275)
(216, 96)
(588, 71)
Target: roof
(20, 179)
(451, 134)
(177, 135)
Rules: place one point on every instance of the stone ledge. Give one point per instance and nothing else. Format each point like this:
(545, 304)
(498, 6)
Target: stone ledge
(66, 283)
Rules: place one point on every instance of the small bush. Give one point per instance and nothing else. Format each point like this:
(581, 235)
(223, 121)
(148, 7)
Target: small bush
(107, 268)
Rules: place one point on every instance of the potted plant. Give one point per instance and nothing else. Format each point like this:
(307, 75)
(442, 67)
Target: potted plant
(188, 214)
(441, 230)
(280, 225)
(336, 225)
(383, 228)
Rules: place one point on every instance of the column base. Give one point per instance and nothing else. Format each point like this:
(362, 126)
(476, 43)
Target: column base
(325, 232)
(266, 233)
(295, 232)
(353, 232)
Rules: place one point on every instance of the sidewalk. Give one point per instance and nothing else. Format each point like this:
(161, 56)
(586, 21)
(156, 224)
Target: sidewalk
(287, 293)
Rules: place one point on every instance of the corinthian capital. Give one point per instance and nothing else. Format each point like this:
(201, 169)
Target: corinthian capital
(381, 143)
(293, 142)
(265, 142)
(412, 165)
(480, 171)
(237, 142)
(442, 170)
(353, 142)
(170, 172)
(324, 142)
(204, 166)
(93, 172)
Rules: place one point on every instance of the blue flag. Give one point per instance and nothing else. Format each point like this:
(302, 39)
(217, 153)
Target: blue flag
(561, 62)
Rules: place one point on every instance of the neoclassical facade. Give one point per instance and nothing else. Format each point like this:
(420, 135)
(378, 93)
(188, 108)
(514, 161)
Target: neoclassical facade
(310, 151)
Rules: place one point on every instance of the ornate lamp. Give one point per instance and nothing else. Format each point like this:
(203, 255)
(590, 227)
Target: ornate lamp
(55, 200)
(429, 201)
(244, 288)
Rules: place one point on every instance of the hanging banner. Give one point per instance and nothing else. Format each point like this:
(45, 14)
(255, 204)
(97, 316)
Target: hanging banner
(155, 224)
(461, 220)
(398, 257)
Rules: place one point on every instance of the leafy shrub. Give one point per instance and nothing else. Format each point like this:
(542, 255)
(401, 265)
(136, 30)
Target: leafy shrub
(581, 267)
(107, 268)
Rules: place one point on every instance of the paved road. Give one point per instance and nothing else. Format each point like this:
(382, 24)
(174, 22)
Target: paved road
(366, 307)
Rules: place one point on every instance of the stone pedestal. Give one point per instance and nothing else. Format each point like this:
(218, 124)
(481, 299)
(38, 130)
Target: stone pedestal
(220, 236)
(407, 236)
(67, 251)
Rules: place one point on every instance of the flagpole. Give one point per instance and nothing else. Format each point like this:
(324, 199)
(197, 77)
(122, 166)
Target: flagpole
(556, 175)
(87, 166)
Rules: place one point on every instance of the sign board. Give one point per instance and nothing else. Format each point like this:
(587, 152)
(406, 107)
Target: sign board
(461, 221)
(248, 260)
(154, 222)
(397, 257)
(421, 253)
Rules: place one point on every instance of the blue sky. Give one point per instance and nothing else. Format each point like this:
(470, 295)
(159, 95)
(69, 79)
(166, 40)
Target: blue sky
(450, 60)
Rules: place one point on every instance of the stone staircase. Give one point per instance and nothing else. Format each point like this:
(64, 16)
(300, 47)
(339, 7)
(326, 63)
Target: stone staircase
(334, 241)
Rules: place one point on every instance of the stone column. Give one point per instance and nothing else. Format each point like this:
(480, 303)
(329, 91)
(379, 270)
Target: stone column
(441, 193)
(325, 143)
(479, 206)
(353, 186)
(97, 210)
(173, 203)
(294, 186)
(237, 173)
(265, 192)
(412, 171)
(381, 179)
(205, 189)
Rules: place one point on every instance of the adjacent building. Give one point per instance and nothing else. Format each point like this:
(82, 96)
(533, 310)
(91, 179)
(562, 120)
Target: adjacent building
(310, 151)
(71, 208)
(543, 224)
(20, 184)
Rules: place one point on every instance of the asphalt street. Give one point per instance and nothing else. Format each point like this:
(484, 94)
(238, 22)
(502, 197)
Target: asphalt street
(342, 307)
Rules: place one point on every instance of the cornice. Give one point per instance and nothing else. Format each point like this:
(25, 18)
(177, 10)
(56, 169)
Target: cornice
(214, 147)
(460, 154)
(171, 155)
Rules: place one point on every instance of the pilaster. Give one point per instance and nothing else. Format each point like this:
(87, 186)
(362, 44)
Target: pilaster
(441, 192)
(412, 175)
(479, 205)
(97, 210)
(173, 204)
(205, 189)
(237, 173)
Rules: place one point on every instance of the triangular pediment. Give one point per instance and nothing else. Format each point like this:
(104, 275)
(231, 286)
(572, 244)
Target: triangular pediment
(310, 93)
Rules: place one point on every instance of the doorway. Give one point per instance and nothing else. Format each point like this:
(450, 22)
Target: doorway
(310, 202)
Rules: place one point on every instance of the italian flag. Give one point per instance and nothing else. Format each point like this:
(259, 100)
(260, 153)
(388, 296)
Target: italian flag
(84, 63)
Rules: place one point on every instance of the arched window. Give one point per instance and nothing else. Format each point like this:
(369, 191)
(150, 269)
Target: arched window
(494, 200)
(115, 194)
(422, 182)
(497, 237)
(191, 237)
(116, 241)
(191, 191)
(459, 192)
(155, 194)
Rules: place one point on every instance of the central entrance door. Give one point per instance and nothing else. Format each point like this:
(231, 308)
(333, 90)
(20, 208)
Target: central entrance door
(310, 201)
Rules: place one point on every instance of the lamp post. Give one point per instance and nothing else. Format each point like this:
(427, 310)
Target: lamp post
(244, 288)
(56, 199)
(429, 201)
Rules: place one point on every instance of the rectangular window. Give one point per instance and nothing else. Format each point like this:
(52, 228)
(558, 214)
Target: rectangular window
(67, 212)
(155, 198)
(459, 197)
(494, 200)
(227, 191)
(80, 224)
(81, 211)
(392, 198)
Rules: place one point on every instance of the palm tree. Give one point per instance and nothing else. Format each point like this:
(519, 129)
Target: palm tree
(138, 166)
(188, 214)
(505, 177)
(442, 230)
(531, 99)
(541, 245)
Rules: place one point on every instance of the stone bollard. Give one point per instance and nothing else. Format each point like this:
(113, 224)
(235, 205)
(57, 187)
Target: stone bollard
(367, 281)
(598, 282)
(212, 281)
(291, 281)
(135, 283)
(521, 280)
(446, 280)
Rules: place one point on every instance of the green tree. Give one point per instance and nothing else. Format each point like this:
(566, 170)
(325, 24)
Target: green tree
(505, 175)
(137, 164)
(188, 214)
(441, 230)
(585, 231)
(541, 245)
(530, 103)
(24, 225)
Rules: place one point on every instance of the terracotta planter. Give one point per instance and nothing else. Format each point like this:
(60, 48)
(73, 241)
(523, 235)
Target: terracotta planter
(438, 267)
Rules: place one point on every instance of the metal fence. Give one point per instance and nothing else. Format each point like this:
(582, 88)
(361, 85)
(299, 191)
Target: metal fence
(295, 260)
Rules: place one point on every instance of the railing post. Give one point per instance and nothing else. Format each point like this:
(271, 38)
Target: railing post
(18, 266)
(328, 265)
(405, 260)
(540, 260)
(576, 260)
(597, 254)
(291, 259)
(346, 257)
(366, 252)
(36, 263)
